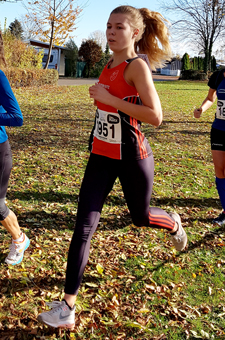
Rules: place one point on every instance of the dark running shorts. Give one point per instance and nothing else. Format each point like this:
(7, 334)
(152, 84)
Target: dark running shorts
(217, 139)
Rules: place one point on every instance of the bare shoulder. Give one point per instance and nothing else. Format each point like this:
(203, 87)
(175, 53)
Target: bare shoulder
(139, 64)
(137, 69)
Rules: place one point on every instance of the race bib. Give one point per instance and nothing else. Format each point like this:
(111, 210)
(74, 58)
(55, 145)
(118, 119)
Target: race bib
(108, 127)
(220, 111)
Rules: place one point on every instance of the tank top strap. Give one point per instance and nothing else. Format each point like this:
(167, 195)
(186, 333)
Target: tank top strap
(130, 60)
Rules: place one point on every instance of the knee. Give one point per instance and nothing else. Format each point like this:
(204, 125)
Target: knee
(220, 172)
(140, 221)
(4, 210)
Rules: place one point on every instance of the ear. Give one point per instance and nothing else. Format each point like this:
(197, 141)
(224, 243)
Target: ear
(136, 31)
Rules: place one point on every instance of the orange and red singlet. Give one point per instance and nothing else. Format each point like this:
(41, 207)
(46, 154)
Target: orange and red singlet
(117, 135)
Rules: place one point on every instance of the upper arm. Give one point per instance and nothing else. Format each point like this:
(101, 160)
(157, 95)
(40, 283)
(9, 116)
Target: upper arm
(140, 76)
(211, 95)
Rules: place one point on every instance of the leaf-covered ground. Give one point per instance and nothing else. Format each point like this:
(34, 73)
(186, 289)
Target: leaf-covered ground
(136, 286)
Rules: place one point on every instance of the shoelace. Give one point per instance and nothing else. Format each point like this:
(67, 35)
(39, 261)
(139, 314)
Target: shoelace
(53, 305)
(12, 249)
(178, 239)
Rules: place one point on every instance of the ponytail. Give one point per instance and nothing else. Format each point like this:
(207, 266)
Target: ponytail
(153, 36)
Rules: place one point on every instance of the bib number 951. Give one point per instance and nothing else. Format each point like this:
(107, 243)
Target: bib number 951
(108, 127)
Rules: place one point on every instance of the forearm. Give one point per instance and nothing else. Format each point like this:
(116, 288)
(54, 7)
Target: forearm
(11, 119)
(143, 113)
(206, 104)
(209, 100)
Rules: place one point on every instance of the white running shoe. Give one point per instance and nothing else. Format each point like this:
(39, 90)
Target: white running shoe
(220, 220)
(180, 238)
(17, 250)
(59, 316)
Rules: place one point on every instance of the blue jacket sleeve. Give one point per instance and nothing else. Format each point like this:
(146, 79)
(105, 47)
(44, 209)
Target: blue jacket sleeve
(10, 113)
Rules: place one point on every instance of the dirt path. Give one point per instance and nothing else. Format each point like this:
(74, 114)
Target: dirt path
(87, 81)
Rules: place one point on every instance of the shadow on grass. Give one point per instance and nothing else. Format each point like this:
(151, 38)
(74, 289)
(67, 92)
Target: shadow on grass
(64, 218)
(187, 202)
(45, 283)
(71, 140)
(48, 196)
(209, 236)
(114, 200)
(27, 320)
(28, 335)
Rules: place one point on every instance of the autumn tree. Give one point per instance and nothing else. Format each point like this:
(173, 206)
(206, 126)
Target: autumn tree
(200, 22)
(91, 53)
(54, 20)
(16, 29)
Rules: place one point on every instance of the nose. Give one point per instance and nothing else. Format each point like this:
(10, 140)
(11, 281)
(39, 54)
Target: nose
(111, 31)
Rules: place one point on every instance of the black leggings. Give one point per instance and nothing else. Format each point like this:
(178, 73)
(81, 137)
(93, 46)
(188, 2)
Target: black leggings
(5, 170)
(136, 178)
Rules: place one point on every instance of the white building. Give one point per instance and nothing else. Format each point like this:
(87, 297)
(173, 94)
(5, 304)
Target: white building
(172, 68)
(58, 55)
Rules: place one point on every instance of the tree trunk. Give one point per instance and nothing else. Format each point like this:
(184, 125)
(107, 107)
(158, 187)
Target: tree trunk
(206, 61)
(88, 69)
(51, 40)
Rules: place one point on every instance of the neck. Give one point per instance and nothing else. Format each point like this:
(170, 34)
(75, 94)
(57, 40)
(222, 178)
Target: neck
(119, 57)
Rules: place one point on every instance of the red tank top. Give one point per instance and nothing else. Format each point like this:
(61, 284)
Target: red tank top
(115, 134)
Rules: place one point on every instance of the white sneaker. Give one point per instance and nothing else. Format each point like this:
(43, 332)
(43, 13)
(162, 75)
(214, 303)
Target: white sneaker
(179, 239)
(220, 220)
(17, 250)
(59, 316)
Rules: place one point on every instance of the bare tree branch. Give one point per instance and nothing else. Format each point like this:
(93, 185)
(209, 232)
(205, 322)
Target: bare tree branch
(201, 22)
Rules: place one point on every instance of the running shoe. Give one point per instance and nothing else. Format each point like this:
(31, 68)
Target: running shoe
(17, 250)
(180, 238)
(59, 316)
(220, 220)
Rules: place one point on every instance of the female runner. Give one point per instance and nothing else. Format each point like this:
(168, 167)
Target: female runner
(125, 96)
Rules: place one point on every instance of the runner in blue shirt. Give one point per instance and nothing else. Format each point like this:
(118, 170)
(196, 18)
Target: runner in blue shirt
(217, 90)
(10, 115)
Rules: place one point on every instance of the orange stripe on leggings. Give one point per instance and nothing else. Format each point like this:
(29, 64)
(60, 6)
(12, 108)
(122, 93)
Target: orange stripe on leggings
(162, 221)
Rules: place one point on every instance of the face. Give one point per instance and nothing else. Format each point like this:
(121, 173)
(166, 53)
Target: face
(119, 33)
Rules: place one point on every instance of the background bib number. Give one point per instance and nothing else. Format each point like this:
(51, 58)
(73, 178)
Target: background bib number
(220, 111)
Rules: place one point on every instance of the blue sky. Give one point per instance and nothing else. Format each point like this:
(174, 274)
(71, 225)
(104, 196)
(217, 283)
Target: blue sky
(93, 17)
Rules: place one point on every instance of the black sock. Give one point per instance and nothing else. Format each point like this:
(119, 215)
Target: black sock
(68, 305)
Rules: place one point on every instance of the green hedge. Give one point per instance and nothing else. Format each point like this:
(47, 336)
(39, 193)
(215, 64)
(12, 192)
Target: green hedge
(19, 77)
(193, 75)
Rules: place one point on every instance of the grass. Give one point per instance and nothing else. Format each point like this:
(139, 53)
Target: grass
(136, 286)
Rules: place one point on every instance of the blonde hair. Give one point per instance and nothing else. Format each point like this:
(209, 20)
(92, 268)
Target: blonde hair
(2, 56)
(153, 36)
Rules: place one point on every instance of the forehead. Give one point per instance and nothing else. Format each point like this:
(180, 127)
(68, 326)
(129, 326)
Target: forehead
(119, 18)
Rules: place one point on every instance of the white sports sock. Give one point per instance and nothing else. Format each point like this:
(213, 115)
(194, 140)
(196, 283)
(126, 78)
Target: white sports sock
(20, 239)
